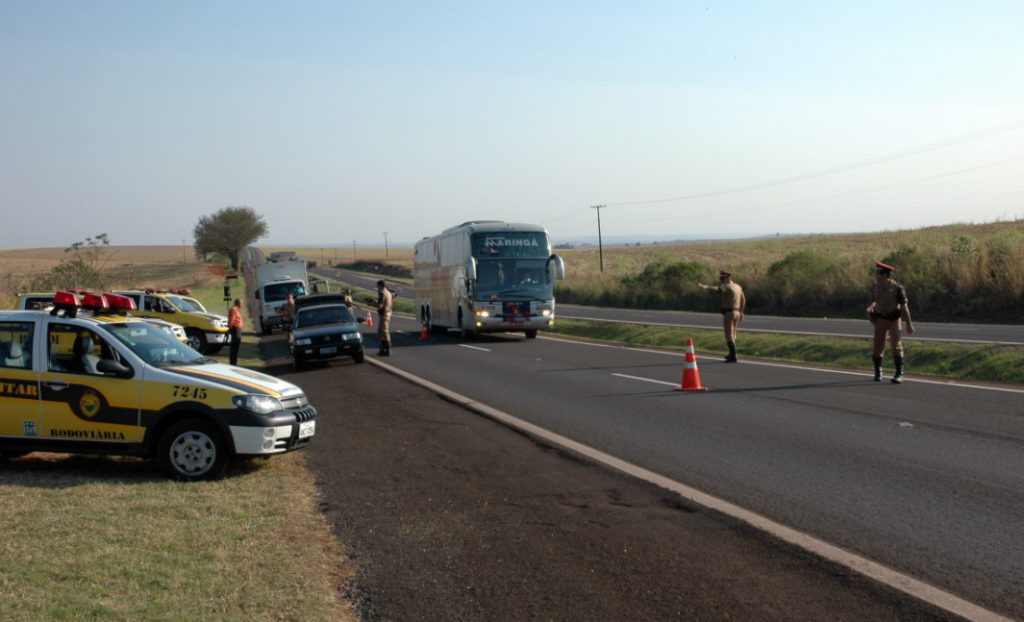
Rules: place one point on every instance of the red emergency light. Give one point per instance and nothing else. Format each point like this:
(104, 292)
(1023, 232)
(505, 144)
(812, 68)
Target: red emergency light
(119, 304)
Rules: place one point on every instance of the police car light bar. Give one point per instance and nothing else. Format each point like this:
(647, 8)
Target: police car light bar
(66, 303)
(94, 301)
(119, 304)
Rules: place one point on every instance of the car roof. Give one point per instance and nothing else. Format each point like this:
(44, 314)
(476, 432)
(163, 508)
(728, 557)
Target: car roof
(26, 314)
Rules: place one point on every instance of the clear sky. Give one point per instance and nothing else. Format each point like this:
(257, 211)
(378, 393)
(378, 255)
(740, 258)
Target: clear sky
(339, 121)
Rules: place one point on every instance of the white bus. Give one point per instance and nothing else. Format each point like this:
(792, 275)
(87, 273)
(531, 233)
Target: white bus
(487, 276)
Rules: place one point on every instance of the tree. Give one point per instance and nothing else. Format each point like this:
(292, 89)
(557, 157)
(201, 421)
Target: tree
(82, 266)
(228, 232)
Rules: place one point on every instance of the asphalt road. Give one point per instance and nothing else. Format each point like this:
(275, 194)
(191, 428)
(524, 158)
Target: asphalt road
(923, 477)
(1009, 334)
(448, 515)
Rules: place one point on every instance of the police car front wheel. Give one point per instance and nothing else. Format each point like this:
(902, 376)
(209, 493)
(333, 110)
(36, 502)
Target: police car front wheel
(193, 450)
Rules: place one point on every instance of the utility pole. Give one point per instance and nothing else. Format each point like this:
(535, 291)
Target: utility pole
(386, 244)
(600, 244)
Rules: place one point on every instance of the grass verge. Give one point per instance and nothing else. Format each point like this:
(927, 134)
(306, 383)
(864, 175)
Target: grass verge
(110, 539)
(982, 362)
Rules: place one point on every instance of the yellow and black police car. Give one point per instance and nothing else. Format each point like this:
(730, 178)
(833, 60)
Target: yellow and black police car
(85, 378)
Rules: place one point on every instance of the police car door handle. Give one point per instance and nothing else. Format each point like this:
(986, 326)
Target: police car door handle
(56, 385)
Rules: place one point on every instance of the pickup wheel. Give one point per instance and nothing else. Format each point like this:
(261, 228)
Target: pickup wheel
(266, 328)
(196, 340)
(531, 333)
(359, 357)
(299, 363)
(193, 450)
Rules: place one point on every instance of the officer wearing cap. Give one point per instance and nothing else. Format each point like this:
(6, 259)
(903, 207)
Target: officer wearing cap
(887, 309)
(733, 304)
(288, 312)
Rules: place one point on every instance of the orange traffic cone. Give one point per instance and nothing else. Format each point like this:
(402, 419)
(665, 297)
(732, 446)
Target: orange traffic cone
(691, 375)
(425, 333)
(369, 319)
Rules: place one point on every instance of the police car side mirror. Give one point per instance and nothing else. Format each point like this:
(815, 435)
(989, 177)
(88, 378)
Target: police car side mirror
(107, 366)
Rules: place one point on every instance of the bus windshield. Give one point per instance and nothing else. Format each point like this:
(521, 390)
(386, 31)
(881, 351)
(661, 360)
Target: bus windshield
(514, 278)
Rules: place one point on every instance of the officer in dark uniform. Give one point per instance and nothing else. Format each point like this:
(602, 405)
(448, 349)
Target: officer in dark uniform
(887, 309)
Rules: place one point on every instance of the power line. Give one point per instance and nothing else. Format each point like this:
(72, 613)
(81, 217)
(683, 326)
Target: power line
(896, 155)
(844, 194)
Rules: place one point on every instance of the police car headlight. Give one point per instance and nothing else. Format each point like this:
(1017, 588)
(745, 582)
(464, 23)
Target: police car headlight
(304, 341)
(259, 404)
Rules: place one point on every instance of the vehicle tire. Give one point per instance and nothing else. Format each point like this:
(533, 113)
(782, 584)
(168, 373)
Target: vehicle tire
(192, 450)
(467, 333)
(265, 328)
(196, 340)
(298, 362)
(359, 357)
(531, 333)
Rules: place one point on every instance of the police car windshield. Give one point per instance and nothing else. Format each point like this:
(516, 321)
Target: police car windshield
(153, 345)
(318, 316)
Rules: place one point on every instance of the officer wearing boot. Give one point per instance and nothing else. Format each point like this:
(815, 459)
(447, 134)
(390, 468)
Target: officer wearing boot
(733, 304)
(384, 303)
(887, 310)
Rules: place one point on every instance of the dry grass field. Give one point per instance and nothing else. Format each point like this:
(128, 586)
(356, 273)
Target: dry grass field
(126, 266)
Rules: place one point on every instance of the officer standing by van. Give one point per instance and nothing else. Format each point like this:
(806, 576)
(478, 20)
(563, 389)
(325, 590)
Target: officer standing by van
(384, 304)
(732, 306)
(888, 307)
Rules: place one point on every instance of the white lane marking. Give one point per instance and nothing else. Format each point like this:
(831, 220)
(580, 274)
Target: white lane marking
(671, 384)
(787, 331)
(462, 345)
(861, 565)
(826, 370)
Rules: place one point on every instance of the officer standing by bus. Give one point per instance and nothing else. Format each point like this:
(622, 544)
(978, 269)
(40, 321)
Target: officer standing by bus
(887, 308)
(732, 306)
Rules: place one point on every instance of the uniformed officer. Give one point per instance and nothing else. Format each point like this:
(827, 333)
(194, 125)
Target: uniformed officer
(288, 312)
(235, 324)
(888, 307)
(733, 304)
(384, 303)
